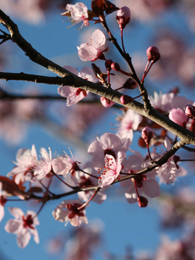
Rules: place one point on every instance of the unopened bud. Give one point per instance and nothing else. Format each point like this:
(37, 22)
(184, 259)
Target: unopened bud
(124, 99)
(142, 202)
(190, 111)
(178, 116)
(106, 102)
(153, 53)
(147, 134)
(115, 66)
(123, 16)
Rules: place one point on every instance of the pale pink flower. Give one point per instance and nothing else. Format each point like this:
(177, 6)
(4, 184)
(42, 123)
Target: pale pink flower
(178, 116)
(112, 169)
(74, 95)
(107, 144)
(23, 226)
(79, 13)
(26, 160)
(64, 164)
(169, 171)
(94, 50)
(44, 165)
(84, 180)
(129, 124)
(68, 211)
(165, 102)
(145, 183)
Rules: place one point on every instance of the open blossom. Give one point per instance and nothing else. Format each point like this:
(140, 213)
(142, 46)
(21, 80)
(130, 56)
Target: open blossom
(145, 183)
(165, 102)
(23, 226)
(107, 144)
(129, 123)
(26, 160)
(79, 13)
(111, 169)
(64, 164)
(84, 180)
(94, 50)
(169, 171)
(68, 211)
(74, 95)
(44, 166)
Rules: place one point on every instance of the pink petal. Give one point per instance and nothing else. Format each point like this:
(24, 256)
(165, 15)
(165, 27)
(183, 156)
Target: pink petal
(23, 239)
(151, 188)
(16, 212)
(2, 212)
(98, 40)
(87, 52)
(13, 226)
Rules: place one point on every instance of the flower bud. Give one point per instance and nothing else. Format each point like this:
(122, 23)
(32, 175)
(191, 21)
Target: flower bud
(178, 116)
(115, 66)
(190, 111)
(153, 53)
(125, 99)
(147, 134)
(123, 17)
(142, 202)
(106, 102)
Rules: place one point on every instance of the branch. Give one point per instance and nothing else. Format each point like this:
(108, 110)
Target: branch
(72, 80)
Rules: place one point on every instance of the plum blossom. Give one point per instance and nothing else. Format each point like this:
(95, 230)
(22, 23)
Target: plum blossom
(94, 50)
(79, 13)
(26, 160)
(165, 102)
(112, 169)
(84, 180)
(68, 211)
(64, 164)
(128, 124)
(44, 166)
(74, 95)
(169, 171)
(107, 144)
(145, 183)
(23, 226)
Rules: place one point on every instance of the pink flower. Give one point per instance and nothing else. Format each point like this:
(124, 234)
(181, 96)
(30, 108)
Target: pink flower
(74, 95)
(107, 144)
(145, 183)
(23, 226)
(84, 180)
(26, 160)
(64, 164)
(112, 169)
(165, 102)
(169, 171)
(129, 123)
(178, 116)
(44, 166)
(190, 111)
(68, 211)
(79, 13)
(94, 50)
